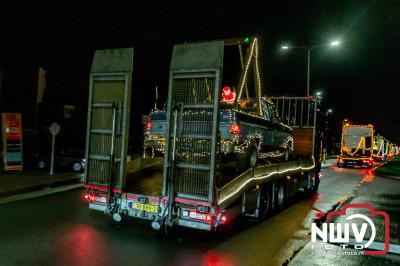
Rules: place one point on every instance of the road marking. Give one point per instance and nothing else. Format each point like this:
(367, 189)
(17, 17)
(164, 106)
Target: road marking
(38, 193)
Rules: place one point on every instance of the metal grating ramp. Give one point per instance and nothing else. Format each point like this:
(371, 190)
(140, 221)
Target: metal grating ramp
(108, 113)
(193, 105)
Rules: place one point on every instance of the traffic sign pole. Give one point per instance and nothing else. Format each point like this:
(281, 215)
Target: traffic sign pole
(54, 130)
(53, 143)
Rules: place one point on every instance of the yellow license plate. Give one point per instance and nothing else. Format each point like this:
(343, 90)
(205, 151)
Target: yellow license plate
(145, 207)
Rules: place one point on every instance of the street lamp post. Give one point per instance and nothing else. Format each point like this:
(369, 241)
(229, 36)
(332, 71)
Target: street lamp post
(308, 70)
(309, 49)
(327, 144)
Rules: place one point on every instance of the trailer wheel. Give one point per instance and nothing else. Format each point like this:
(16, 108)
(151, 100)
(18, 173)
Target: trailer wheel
(280, 196)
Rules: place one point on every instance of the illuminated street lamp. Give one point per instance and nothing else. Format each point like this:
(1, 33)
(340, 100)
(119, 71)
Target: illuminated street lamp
(328, 111)
(335, 43)
(345, 121)
(309, 49)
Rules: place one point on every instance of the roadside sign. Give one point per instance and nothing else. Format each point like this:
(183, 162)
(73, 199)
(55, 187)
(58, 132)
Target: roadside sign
(12, 141)
(54, 129)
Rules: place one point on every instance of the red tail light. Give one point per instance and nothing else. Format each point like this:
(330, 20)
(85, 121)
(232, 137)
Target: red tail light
(208, 218)
(89, 197)
(223, 219)
(235, 129)
(149, 125)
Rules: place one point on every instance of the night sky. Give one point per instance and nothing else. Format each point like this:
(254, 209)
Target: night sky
(359, 79)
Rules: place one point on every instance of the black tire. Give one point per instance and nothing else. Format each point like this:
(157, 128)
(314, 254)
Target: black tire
(265, 203)
(247, 160)
(312, 186)
(280, 196)
(286, 155)
(76, 166)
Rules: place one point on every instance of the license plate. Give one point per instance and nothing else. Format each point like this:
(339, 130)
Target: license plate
(198, 216)
(145, 207)
(100, 199)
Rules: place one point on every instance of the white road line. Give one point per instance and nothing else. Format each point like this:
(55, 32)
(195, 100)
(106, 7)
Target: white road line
(38, 193)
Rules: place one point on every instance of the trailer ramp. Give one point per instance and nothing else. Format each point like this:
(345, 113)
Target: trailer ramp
(192, 122)
(108, 119)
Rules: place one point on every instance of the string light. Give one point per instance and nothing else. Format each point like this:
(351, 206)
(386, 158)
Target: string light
(243, 79)
(239, 188)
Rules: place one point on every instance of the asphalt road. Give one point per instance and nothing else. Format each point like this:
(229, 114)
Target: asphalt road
(59, 229)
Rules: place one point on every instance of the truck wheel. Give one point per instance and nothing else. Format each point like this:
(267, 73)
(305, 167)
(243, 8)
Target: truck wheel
(247, 160)
(280, 196)
(265, 203)
(77, 167)
(286, 155)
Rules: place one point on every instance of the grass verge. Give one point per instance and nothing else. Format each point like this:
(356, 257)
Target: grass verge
(390, 168)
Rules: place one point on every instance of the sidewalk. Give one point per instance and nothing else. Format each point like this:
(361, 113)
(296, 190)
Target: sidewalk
(16, 182)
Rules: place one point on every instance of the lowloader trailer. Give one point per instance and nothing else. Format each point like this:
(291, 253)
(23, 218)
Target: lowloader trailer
(190, 186)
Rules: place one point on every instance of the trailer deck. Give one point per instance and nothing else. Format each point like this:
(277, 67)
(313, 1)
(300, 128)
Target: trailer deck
(147, 181)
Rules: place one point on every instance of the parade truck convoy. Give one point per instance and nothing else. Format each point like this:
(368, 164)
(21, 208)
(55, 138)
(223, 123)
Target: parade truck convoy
(357, 146)
(192, 184)
(379, 148)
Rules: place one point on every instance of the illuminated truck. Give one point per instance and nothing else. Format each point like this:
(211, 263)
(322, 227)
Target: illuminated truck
(356, 146)
(191, 185)
(379, 149)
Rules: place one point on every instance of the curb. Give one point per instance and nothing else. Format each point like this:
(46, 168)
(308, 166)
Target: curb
(39, 193)
(40, 186)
